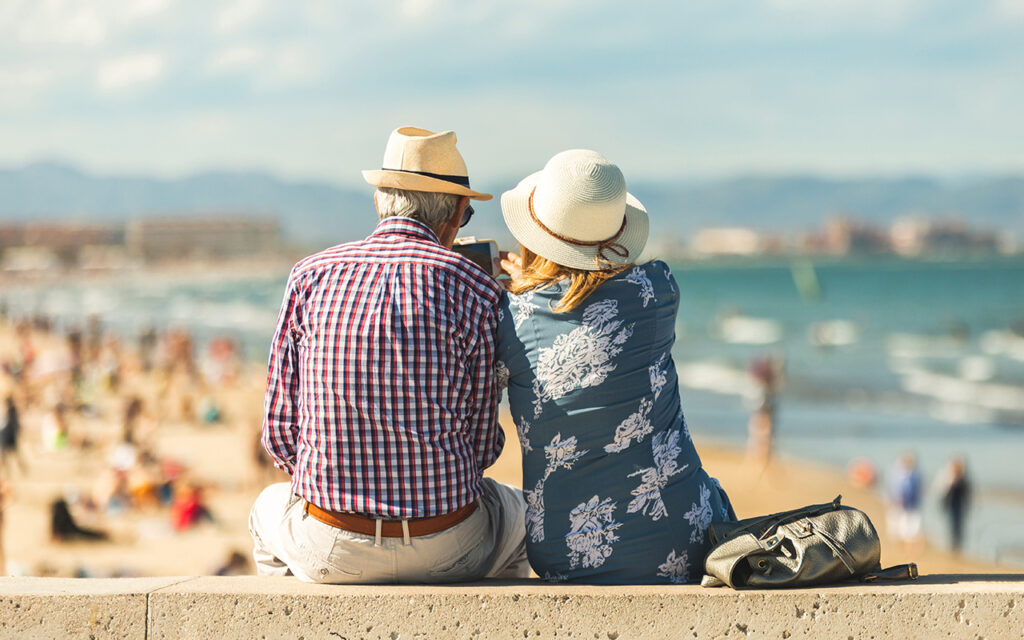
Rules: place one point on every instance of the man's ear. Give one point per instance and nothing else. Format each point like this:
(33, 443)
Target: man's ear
(376, 205)
(450, 230)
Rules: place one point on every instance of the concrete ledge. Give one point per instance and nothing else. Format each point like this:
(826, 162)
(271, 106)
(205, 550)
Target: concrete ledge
(59, 608)
(984, 606)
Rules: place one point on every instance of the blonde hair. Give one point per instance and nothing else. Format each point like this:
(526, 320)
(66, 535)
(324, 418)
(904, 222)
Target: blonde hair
(540, 273)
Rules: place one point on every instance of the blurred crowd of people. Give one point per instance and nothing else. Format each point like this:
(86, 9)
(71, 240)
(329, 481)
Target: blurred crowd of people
(83, 391)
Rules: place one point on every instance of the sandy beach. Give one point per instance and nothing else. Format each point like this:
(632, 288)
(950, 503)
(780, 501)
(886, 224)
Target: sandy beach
(219, 457)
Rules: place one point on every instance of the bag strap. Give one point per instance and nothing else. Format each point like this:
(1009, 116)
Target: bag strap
(836, 546)
(897, 572)
(726, 556)
(776, 519)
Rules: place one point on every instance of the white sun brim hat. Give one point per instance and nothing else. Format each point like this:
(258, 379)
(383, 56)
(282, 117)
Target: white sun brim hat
(580, 211)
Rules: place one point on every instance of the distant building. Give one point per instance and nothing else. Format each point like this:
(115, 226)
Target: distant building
(737, 241)
(915, 235)
(48, 246)
(63, 241)
(208, 237)
(843, 236)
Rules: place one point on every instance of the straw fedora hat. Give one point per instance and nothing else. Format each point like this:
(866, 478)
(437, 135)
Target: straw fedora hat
(419, 160)
(576, 212)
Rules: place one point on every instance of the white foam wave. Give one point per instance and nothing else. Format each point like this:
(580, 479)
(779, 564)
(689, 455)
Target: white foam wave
(1003, 343)
(910, 345)
(738, 329)
(716, 377)
(949, 389)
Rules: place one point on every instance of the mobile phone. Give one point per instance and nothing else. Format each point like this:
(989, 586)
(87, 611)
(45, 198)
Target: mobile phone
(482, 251)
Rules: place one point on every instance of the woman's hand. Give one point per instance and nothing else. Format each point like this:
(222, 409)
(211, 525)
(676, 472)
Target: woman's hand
(511, 265)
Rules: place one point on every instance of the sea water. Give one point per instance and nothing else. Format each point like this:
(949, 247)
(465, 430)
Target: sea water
(928, 364)
(881, 356)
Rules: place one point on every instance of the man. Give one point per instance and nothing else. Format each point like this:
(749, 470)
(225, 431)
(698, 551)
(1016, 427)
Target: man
(381, 400)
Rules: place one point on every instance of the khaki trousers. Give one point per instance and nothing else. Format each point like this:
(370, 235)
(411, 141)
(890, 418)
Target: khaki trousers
(490, 543)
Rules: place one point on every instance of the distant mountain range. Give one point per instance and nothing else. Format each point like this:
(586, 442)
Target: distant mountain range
(317, 214)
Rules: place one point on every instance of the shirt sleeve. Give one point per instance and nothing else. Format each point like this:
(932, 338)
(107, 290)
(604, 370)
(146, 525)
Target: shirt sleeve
(280, 417)
(491, 438)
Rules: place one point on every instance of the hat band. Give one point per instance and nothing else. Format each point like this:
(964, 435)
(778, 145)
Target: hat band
(459, 180)
(608, 244)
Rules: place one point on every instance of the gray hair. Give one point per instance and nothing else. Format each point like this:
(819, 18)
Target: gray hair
(432, 209)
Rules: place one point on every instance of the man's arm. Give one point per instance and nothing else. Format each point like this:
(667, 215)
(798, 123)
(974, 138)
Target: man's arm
(280, 425)
(490, 439)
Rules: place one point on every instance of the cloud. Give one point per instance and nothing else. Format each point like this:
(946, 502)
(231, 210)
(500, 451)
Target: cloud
(413, 9)
(753, 82)
(879, 13)
(239, 14)
(141, 9)
(125, 72)
(19, 87)
(1010, 8)
(56, 22)
(237, 58)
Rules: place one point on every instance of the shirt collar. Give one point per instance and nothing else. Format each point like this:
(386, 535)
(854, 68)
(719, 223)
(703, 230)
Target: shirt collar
(406, 227)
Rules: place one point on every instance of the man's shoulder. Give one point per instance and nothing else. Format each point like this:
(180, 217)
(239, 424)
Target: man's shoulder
(463, 271)
(325, 258)
(429, 258)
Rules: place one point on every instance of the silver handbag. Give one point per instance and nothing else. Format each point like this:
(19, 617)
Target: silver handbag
(818, 544)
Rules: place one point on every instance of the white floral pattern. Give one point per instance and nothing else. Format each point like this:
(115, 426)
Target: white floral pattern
(699, 516)
(501, 373)
(560, 454)
(523, 431)
(676, 567)
(668, 278)
(554, 577)
(682, 420)
(535, 512)
(583, 357)
(636, 426)
(638, 277)
(592, 528)
(522, 307)
(647, 496)
(659, 374)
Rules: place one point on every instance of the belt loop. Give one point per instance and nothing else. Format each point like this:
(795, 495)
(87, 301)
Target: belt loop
(376, 538)
(405, 533)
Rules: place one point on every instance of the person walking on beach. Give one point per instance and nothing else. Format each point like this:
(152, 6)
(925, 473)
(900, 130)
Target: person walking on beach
(956, 499)
(904, 493)
(10, 432)
(766, 374)
(615, 489)
(381, 400)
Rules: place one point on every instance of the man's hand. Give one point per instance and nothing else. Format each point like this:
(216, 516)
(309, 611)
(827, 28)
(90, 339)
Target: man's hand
(511, 265)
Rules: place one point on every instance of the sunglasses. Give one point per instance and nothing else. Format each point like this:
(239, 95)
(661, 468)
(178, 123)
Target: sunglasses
(467, 214)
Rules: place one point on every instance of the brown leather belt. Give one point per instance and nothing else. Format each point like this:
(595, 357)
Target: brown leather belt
(390, 528)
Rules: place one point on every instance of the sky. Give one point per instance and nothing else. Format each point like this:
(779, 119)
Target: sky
(310, 89)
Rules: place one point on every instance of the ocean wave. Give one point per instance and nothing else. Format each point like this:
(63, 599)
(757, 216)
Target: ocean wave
(957, 391)
(717, 377)
(1003, 343)
(911, 345)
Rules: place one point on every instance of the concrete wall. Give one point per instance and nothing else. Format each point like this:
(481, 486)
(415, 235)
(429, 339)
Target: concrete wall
(990, 606)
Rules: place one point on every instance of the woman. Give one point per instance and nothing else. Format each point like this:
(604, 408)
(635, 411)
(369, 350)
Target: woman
(614, 487)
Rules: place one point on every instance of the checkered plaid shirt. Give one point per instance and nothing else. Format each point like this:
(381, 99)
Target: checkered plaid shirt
(381, 396)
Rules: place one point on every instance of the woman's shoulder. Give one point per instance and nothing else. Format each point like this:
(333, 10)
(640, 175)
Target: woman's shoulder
(651, 281)
(655, 271)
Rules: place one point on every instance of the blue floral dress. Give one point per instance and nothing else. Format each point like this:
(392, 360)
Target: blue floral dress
(614, 488)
